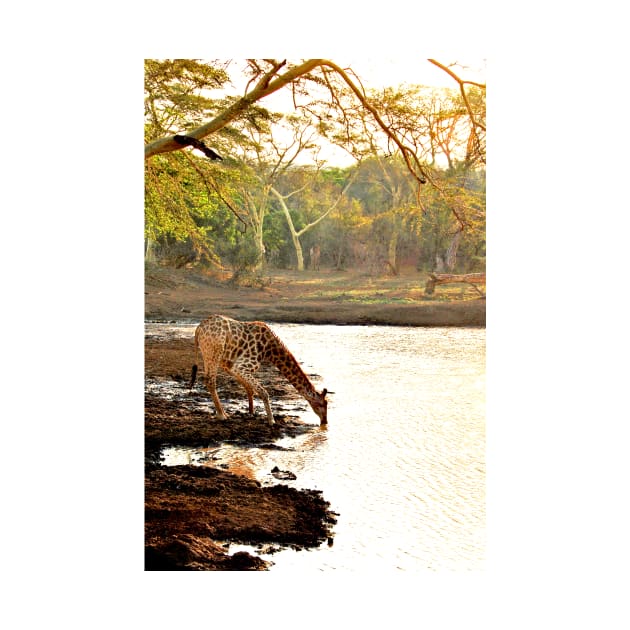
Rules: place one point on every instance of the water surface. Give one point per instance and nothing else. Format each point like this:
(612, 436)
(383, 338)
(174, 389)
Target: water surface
(402, 460)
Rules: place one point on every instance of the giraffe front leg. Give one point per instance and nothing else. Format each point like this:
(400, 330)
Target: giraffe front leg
(250, 395)
(250, 400)
(253, 386)
(262, 392)
(248, 388)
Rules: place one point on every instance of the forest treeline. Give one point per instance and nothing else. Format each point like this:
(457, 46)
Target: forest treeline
(260, 193)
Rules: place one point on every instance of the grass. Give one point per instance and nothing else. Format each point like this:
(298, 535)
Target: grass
(350, 286)
(406, 288)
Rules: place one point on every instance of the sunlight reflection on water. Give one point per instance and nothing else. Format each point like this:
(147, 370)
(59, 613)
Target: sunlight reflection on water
(403, 458)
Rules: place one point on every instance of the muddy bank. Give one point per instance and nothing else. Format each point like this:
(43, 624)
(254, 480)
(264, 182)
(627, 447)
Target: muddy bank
(471, 313)
(194, 513)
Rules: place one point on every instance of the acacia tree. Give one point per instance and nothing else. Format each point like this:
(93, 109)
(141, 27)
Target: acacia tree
(448, 125)
(475, 102)
(180, 188)
(329, 207)
(177, 105)
(263, 159)
(383, 180)
(384, 188)
(268, 76)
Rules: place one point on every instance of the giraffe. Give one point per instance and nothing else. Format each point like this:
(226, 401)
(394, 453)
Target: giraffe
(239, 348)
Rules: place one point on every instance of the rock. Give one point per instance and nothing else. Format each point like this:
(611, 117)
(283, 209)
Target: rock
(282, 474)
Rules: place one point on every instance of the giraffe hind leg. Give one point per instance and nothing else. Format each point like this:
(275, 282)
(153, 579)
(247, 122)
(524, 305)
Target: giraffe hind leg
(211, 379)
(211, 352)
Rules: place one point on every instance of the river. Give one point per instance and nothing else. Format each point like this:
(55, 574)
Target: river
(402, 460)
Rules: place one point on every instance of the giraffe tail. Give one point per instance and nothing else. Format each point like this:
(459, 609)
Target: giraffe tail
(194, 367)
(193, 376)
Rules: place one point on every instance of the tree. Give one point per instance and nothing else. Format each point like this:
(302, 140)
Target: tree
(396, 201)
(475, 104)
(270, 75)
(181, 191)
(295, 234)
(176, 205)
(451, 126)
(184, 189)
(263, 159)
(174, 94)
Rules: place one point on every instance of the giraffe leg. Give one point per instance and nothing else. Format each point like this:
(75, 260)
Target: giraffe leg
(251, 403)
(211, 352)
(262, 392)
(211, 379)
(251, 384)
(246, 385)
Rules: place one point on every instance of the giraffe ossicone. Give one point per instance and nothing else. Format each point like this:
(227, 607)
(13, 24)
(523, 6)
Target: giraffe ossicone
(239, 348)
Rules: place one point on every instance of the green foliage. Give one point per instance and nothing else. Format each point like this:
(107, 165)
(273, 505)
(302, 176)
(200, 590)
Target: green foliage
(189, 199)
(216, 211)
(243, 256)
(173, 94)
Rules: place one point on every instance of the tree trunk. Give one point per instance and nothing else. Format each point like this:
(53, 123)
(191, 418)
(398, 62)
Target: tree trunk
(260, 247)
(451, 252)
(298, 252)
(393, 244)
(295, 238)
(256, 218)
(149, 251)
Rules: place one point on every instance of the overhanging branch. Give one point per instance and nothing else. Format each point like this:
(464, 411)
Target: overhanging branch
(461, 83)
(267, 85)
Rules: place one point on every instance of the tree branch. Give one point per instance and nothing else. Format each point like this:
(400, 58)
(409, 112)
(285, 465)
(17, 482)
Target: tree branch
(323, 216)
(267, 86)
(462, 90)
(263, 88)
(406, 152)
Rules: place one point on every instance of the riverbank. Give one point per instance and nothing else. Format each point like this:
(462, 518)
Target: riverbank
(194, 514)
(318, 297)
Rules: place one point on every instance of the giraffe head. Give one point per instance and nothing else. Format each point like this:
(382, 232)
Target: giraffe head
(320, 405)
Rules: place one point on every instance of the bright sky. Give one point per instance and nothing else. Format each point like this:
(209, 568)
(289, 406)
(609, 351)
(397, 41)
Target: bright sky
(378, 73)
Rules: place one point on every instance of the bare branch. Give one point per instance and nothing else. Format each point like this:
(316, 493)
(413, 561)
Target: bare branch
(461, 83)
(452, 74)
(334, 205)
(267, 85)
(406, 152)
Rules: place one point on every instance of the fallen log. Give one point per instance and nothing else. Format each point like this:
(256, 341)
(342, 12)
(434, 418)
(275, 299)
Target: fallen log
(450, 278)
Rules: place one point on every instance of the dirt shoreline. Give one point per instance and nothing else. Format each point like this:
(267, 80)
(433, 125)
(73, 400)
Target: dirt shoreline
(177, 296)
(194, 513)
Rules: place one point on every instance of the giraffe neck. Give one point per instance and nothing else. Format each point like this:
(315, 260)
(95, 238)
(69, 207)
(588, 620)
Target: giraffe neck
(288, 366)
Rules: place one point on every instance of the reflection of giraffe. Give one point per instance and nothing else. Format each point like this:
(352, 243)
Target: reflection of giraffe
(314, 256)
(239, 348)
(256, 463)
